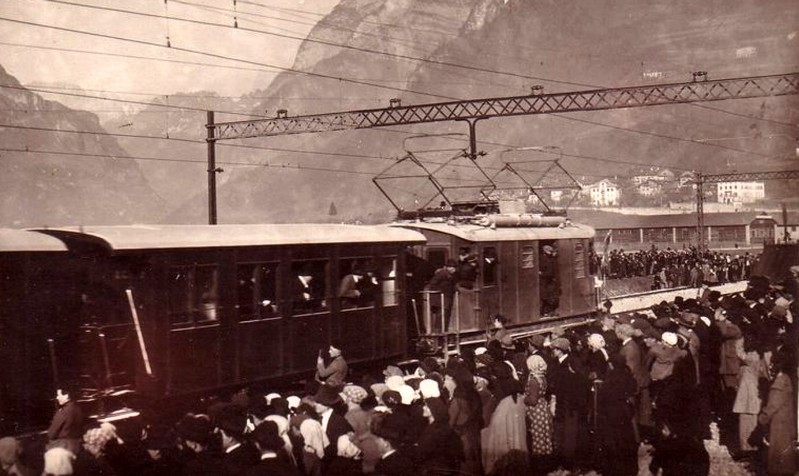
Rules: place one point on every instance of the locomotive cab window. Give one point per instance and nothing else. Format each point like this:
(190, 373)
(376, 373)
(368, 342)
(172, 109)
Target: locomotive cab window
(256, 291)
(490, 266)
(193, 295)
(308, 286)
(358, 287)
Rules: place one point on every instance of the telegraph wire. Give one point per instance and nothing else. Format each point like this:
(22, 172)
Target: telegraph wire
(198, 162)
(326, 43)
(229, 58)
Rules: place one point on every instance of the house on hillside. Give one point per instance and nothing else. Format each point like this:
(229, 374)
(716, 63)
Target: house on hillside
(603, 193)
(649, 188)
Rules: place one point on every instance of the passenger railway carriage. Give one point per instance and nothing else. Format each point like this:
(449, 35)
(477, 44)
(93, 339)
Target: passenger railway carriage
(166, 311)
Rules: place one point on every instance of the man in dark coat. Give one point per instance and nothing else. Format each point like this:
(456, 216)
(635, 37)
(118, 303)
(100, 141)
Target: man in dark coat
(197, 438)
(335, 425)
(239, 455)
(444, 280)
(550, 281)
(570, 387)
(272, 460)
(66, 428)
(618, 450)
(394, 461)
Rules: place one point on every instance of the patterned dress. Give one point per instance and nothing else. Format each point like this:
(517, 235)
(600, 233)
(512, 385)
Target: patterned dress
(539, 417)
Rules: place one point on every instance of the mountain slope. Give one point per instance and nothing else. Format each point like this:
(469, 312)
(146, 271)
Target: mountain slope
(54, 188)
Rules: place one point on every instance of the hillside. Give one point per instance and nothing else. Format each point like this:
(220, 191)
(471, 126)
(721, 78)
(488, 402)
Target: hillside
(102, 186)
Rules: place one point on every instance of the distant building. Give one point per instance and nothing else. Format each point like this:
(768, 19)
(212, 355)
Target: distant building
(740, 192)
(603, 193)
(649, 188)
(687, 179)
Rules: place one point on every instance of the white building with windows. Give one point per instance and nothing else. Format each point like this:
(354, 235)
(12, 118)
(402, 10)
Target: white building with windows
(603, 193)
(740, 192)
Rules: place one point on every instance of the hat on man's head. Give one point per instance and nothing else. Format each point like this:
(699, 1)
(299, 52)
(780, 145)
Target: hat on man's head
(537, 341)
(195, 428)
(267, 436)
(561, 343)
(607, 304)
(688, 319)
(327, 396)
(232, 421)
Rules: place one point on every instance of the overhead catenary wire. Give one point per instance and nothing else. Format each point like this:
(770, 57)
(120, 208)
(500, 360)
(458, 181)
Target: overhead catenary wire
(328, 43)
(316, 74)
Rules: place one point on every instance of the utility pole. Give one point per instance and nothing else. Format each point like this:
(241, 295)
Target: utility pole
(212, 170)
(700, 212)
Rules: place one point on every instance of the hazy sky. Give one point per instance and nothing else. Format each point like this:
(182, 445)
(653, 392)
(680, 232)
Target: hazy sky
(36, 54)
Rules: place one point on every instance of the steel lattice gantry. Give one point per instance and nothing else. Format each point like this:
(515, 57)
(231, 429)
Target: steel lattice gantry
(589, 100)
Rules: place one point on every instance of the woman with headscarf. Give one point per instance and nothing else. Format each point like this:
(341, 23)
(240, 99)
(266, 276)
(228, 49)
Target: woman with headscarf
(539, 417)
(506, 428)
(91, 459)
(598, 359)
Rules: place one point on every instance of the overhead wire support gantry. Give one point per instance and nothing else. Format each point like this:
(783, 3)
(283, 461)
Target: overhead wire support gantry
(472, 110)
(588, 100)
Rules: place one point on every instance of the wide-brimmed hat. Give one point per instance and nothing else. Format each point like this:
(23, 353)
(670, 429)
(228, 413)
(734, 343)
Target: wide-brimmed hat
(267, 435)
(327, 396)
(688, 319)
(195, 428)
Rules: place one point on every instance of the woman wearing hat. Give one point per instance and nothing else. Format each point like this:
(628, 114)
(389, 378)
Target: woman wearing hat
(506, 429)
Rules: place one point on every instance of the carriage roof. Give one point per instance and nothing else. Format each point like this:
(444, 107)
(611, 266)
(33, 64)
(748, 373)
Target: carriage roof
(140, 237)
(15, 240)
(479, 233)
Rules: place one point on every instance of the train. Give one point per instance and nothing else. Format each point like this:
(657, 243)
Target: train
(166, 311)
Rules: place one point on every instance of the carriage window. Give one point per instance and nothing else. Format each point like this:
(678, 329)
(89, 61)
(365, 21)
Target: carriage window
(359, 283)
(528, 257)
(193, 295)
(579, 260)
(490, 263)
(256, 291)
(308, 286)
(436, 257)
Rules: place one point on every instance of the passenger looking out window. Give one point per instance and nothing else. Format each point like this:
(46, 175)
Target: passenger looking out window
(308, 287)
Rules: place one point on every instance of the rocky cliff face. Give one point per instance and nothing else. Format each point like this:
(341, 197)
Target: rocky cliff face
(54, 188)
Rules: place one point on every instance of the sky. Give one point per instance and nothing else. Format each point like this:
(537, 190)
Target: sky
(101, 61)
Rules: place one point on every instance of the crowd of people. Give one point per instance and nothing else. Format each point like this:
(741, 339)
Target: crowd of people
(581, 398)
(672, 268)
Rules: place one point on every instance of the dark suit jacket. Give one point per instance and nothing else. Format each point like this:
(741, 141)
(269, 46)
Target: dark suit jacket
(273, 467)
(241, 459)
(395, 464)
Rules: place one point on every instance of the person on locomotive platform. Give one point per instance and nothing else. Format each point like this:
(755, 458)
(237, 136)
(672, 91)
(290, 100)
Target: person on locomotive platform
(550, 283)
(334, 373)
(66, 427)
(444, 280)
